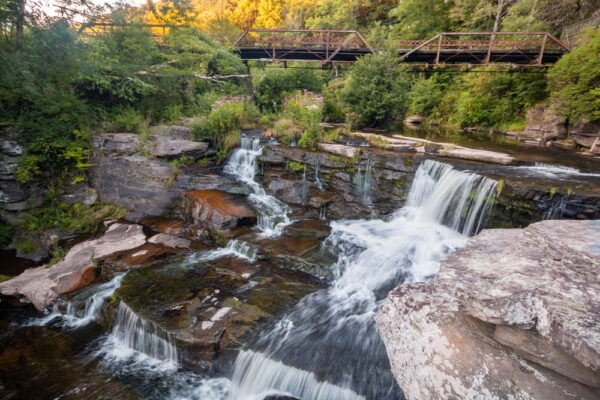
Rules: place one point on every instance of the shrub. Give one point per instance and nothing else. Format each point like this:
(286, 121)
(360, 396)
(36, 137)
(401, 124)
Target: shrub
(305, 108)
(575, 80)
(279, 83)
(6, 234)
(286, 131)
(27, 246)
(425, 96)
(222, 126)
(376, 91)
(128, 120)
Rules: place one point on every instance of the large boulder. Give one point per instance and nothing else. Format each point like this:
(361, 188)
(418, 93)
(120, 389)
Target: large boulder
(164, 146)
(543, 124)
(41, 286)
(585, 132)
(216, 210)
(514, 314)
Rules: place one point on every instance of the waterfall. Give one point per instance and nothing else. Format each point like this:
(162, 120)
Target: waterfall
(327, 346)
(318, 180)
(83, 308)
(235, 248)
(272, 213)
(304, 193)
(364, 183)
(135, 333)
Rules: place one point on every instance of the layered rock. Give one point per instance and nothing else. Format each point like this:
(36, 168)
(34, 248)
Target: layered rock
(514, 314)
(172, 144)
(544, 125)
(217, 210)
(585, 132)
(41, 286)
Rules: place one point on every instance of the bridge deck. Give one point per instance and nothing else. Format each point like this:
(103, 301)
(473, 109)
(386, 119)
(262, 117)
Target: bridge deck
(447, 56)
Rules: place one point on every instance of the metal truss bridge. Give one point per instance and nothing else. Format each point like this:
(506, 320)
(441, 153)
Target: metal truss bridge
(445, 49)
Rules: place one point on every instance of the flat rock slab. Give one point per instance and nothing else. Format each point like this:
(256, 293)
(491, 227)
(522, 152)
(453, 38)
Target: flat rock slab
(173, 131)
(339, 149)
(41, 286)
(514, 313)
(217, 210)
(170, 240)
(309, 228)
(163, 146)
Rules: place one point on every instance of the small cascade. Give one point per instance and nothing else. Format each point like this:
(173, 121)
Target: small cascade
(328, 347)
(318, 180)
(83, 308)
(458, 199)
(323, 212)
(260, 377)
(272, 213)
(557, 207)
(304, 193)
(135, 333)
(364, 183)
(234, 248)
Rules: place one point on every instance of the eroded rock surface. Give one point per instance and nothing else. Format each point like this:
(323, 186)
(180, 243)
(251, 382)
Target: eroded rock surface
(41, 286)
(217, 210)
(514, 314)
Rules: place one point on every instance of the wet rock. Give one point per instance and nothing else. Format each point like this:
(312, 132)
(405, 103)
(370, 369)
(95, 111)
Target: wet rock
(310, 228)
(585, 132)
(286, 187)
(173, 131)
(414, 119)
(514, 313)
(170, 240)
(211, 309)
(40, 363)
(41, 286)
(217, 210)
(79, 192)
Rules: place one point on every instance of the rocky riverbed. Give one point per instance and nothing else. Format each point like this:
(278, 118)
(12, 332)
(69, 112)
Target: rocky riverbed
(261, 276)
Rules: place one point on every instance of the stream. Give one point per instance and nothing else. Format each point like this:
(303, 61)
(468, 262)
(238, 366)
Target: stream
(326, 346)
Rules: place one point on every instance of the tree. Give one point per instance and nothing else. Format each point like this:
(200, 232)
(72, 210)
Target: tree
(332, 14)
(418, 19)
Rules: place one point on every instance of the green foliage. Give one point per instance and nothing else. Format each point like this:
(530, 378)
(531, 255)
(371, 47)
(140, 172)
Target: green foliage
(575, 81)
(222, 126)
(305, 108)
(278, 83)
(68, 217)
(6, 234)
(295, 166)
(496, 99)
(376, 90)
(332, 14)
(419, 19)
(287, 131)
(128, 119)
(426, 95)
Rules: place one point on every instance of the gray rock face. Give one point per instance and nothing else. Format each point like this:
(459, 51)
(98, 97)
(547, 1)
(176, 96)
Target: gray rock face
(117, 142)
(585, 132)
(169, 145)
(170, 240)
(136, 182)
(164, 146)
(41, 286)
(514, 314)
(543, 125)
(173, 131)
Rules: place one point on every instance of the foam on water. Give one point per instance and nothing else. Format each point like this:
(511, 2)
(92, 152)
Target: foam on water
(555, 171)
(272, 213)
(328, 346)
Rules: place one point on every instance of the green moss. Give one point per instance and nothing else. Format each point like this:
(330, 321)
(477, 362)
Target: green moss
(6, 234)
(27, 246)
(295, 166)
(409, 161)
(4, 278)
(113, 298)
(183, 160)
(499, 187)
(570, 192)
(552, 192)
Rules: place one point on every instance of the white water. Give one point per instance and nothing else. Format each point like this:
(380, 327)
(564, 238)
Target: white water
(555, 171)
(133, 333)
(235, 248)
(272, 213)
(328, 347)
(75, 315)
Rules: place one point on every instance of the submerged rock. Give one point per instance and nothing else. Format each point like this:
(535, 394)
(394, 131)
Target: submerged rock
(41, 286)
(513, 314)
(217, 210)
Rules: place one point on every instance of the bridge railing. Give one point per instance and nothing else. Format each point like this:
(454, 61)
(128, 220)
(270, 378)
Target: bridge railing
(329, 42)
(532, 46)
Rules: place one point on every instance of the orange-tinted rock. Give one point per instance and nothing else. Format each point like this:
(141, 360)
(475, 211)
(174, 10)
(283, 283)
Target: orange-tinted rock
(309, 228)
(217, 210)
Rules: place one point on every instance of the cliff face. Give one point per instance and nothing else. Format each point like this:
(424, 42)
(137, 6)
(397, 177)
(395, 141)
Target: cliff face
(514, 314)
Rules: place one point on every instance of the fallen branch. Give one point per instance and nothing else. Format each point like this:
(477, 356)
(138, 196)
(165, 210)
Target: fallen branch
(198, 76)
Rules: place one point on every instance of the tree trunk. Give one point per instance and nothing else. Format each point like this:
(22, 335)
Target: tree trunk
(20, 23)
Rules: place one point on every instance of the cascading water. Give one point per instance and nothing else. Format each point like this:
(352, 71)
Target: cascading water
(327, 346)
(364, 183)
(304, 193)
(318, 180)
(272, 213)
(131, 333)
(235, 248)
(83, 308)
